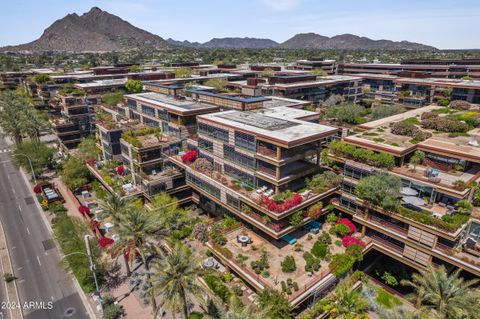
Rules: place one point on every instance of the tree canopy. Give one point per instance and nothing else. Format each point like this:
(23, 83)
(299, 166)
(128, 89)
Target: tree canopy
(75, 173)
(39, 153)
(134, 86)
(380, 189)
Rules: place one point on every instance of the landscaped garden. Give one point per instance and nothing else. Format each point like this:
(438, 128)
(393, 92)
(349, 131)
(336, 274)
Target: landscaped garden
(289, 268)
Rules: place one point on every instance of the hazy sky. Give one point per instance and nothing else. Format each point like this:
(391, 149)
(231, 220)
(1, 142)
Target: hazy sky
(446, 24)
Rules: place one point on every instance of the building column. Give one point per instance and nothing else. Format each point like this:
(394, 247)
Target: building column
(364, 230)
(279, 153)
(277, 172)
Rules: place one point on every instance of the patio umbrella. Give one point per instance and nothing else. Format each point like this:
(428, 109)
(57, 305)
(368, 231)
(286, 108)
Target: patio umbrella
(412, 200)
(407, 191)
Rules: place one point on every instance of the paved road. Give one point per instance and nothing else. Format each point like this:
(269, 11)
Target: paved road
(35, 260)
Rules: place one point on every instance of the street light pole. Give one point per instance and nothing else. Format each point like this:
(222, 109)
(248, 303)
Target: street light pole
(93, 268)
(31, 166)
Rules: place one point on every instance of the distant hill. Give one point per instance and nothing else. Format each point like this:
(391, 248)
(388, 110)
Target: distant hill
(94, 31)
(100, 31)
(346, 42)
(230, 43)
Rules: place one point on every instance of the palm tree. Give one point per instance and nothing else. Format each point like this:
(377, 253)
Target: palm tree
(448, 296)
(135, 227)
(273, 304)
(176, 278)
(114, 206)
(348, 303)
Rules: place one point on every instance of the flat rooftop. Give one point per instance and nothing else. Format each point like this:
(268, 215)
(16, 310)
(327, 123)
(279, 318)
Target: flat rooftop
(101, 83)
(276, 101)
(234, 97)
(272, 124)
(399, 117)
(173, 104)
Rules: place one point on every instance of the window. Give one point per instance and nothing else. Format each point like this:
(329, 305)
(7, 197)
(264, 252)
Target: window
(239, 175)
(149, 122)
(205, 145)
(212, 190)
(245, 141)
(163, 114)
(132, 104)
(214, 132)
(148, 110)
(238, 158)
(233, 202)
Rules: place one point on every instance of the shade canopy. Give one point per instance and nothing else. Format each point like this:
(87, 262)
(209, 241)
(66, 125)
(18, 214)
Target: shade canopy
(412, 200)
(407, 191)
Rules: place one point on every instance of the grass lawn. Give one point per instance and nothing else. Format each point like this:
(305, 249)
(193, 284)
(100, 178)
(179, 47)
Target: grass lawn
(386, 299)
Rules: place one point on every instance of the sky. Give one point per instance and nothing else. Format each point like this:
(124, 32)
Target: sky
(445, 24)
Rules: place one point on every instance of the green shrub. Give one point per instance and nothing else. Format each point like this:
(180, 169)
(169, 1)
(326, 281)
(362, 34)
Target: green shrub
(319, 249)
(362, 155)
(288, 264)
(341, 230)
(8, 277)
(312, 263)
(195, 315)
(332, 218)
(325, 238)
(341, 263)
(218, 287)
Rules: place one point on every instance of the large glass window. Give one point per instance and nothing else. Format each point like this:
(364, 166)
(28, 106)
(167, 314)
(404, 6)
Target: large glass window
(239, 175)
(245, 141)
(148, 110)
(205, 145)
(241, 159)
(212, 190)
(214, 132)
(132, 104)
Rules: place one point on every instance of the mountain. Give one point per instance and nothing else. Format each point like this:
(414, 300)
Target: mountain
(229, 43)
(347, 42)
(94, 31)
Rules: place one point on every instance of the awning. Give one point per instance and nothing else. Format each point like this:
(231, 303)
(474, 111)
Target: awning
(407, 191)
(412, 200)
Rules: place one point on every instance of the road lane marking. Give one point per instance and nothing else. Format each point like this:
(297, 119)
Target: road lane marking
(28, 231)
(52, 298)
(8, 176)
(19, 208)
(38, 259)
(13, 190)
(19, 268)
(21, 281)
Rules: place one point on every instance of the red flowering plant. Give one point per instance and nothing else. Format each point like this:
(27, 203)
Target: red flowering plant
(350, 240)
(104, 242)
(120, 169)
(347, 222)
(37, 189)
(286, 205)
(90, 161)
(189, 157)
(84, 210)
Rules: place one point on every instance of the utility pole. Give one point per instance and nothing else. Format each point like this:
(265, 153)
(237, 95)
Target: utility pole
(93, 268)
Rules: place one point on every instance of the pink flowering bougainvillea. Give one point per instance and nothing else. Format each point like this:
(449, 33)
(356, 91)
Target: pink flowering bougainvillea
(90, 161)
(120, 169)
(286, 205)
(104, 242)
(347, 222)
(37, 189)
(350, 240)
(83, 210)
(189, 157)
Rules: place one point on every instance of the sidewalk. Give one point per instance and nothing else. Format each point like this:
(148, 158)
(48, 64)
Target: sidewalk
(134, 308)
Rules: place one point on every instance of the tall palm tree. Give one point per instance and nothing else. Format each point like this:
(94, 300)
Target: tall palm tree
(175, 277)
(134, 230)
(446, 295)
(114, 206)
(349, 303)
(273, 304)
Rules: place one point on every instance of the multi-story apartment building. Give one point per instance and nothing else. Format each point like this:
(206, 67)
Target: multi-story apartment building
(174, 115)
(329, 66)
(303, 86)
(417, 92)
(10, 80)
(435, 68)
(428, 227)
(271, 150)
(77, 117)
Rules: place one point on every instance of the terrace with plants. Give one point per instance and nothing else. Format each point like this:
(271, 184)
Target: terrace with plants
(295, 268)
(277, 205)
(113, 176)
(146, 137)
